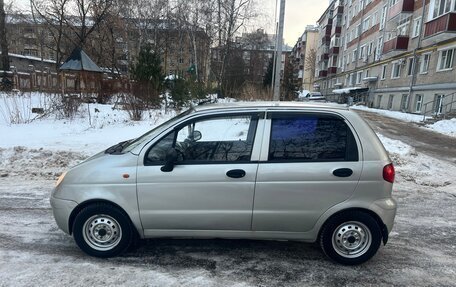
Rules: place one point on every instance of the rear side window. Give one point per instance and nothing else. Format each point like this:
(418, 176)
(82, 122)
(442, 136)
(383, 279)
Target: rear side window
(311, 138)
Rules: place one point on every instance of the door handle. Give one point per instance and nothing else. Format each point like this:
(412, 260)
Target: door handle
(343, 172)
(235, 173)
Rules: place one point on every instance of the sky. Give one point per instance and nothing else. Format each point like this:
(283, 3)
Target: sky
(298, 14)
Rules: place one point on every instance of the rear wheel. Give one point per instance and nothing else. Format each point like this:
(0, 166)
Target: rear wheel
(351, 238)
(102, 230)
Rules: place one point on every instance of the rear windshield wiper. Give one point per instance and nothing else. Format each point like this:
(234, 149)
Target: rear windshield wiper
(117, 148)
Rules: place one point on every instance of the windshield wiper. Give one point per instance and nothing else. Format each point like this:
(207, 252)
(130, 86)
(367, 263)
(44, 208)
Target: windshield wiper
(117, 148)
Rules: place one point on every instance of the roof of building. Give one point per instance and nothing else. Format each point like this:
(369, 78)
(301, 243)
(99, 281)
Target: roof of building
(80, 61)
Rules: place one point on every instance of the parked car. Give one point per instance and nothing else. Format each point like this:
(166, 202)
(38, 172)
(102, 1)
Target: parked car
(311, 96)
(281, 171)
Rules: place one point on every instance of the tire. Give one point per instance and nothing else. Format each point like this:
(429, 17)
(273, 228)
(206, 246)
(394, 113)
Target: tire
(102, 230)
(351, 238)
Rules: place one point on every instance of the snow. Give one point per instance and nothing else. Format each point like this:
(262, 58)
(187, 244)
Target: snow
(347, 90)
(32, 249)
(392, 114)
(418, 168)
(106, 126)
(447, 127)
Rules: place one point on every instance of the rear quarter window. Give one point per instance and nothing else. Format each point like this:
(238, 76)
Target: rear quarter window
(311, 137)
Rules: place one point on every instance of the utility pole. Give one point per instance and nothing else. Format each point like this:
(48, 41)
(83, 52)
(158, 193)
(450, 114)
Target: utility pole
(278, 59)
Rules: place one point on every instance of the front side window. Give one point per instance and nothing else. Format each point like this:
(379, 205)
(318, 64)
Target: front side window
(396, 73)
(311, 138)
(217, 139)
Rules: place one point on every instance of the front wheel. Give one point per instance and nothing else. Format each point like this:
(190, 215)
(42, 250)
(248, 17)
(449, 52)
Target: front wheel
(102, 230)
(351, 238)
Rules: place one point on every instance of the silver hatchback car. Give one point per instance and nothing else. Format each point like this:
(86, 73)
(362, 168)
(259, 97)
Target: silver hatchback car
(280, 171)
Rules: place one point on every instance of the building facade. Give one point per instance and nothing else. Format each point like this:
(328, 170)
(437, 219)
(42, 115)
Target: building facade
(303, 56)
(400, 53)
(116, 48)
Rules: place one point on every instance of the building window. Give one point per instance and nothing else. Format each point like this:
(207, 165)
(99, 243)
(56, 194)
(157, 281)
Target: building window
(410, 66)
(418, 103)
(403, 26)
(366, 24)
(383, 17)
(390, 102)
(359, 75)
(440, 7)
(396, 72)
(445, 60)
(379, 101)
(367, 73)
(416, 27)
(355, 55)
(404, 102)
(424, 66)
(384, 72)
(362, 52)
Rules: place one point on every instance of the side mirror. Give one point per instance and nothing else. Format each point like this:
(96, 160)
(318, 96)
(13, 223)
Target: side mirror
(170, 160)
(197, 135)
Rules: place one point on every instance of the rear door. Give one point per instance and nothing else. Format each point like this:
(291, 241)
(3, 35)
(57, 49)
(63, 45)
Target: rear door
(309, 162)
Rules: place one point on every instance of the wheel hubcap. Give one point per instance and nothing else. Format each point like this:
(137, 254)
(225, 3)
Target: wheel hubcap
(351, 239)
(102, 232)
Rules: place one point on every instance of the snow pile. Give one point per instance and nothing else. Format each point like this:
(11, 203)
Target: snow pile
(36, 163)
(415, 168)
(392, 114)
(447, 127)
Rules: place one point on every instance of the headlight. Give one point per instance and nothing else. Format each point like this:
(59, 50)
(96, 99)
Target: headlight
(60, 179)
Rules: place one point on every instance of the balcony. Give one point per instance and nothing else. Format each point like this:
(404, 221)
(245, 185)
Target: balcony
(322, 73)
(332, 70)
(325, 39)
(402, 6)
(398, 43)
(336, 30)
(334, 50)
(327, 30)
(444, 23)
(324, 56)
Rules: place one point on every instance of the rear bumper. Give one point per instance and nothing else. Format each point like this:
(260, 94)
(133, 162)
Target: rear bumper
(386, 210)
(62, 209)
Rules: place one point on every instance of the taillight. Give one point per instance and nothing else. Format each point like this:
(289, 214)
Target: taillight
(388, 173)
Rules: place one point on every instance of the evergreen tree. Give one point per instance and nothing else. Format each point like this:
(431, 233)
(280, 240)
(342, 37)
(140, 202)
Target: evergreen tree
(148, 76)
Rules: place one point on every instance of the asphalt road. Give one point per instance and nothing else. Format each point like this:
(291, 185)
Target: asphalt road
(34, 252)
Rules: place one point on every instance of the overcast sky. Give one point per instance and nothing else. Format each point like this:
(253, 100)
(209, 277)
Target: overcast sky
(298, 14)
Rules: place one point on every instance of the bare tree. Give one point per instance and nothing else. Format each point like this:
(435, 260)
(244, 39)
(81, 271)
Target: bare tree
(89, 14)
(309, 67)
(52, 16)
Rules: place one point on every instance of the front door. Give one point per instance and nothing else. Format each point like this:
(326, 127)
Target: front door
(312, 163)
(212, 184)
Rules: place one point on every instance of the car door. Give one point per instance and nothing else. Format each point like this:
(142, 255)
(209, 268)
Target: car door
(310, 162)
(211, 186)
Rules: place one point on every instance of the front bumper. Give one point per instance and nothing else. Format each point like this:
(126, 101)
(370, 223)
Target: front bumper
(62, 208)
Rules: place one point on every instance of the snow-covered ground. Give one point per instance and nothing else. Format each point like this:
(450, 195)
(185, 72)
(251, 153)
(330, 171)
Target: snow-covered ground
(105, 127)
(446, 127)
(33, 252)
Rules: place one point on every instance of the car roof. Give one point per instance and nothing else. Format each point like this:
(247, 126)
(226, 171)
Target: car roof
(265, 105)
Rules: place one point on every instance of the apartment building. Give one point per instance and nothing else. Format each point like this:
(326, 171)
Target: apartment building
(180, 48)
(304, 58)
(398, 54)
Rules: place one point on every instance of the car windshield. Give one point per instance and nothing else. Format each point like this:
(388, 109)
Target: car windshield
(147, 136)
